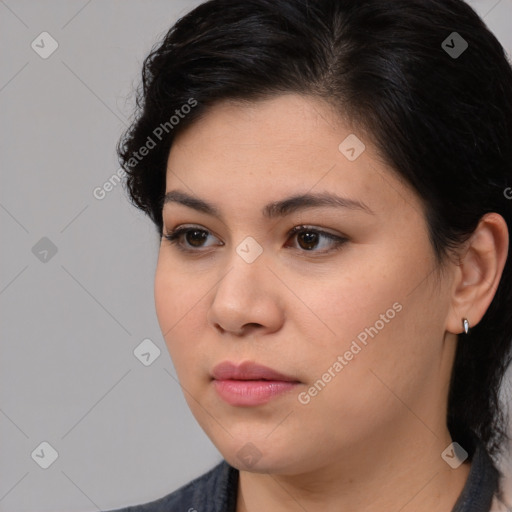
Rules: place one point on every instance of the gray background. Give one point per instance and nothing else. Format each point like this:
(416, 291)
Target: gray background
(71, 320)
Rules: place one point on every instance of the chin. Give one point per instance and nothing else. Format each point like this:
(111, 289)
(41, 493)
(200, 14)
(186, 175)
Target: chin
(260, 457)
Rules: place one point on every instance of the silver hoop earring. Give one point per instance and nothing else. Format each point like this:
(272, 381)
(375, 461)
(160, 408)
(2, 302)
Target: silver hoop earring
(465, 324)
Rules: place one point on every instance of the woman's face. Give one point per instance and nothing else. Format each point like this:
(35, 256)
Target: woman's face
(358, 322)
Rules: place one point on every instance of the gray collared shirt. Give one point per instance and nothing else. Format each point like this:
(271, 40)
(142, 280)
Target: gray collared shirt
(216, 490)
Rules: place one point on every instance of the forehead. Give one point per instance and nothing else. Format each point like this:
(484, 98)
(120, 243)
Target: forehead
(284, 120)
(269, 149)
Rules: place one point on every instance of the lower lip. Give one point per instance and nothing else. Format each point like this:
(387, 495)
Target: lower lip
(251, 392)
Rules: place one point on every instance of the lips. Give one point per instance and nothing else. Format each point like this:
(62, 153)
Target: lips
(248, 371)
(249, 384)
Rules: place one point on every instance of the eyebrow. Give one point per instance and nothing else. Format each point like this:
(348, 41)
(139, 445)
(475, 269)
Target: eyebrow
(273, 209)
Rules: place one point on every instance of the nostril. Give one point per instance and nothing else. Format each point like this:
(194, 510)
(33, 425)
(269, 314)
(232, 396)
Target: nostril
(253, 324)
(244, 330)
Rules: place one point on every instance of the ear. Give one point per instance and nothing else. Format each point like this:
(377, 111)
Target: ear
(478, 273)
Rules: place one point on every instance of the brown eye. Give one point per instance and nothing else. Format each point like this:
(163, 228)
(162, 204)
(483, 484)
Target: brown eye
(192, 239)
(195, 237)
(308, 240)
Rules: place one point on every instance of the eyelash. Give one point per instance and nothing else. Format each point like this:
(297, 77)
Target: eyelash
(174, 238)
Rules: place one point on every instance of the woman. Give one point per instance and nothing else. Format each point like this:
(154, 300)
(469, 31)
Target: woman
(331, 183)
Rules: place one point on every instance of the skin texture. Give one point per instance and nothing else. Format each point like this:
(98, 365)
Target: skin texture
(372, 438)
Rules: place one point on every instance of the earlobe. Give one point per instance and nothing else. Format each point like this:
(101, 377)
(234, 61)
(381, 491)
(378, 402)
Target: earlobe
(479, 272)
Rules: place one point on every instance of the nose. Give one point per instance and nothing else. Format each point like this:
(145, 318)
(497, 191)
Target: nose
(247, 300)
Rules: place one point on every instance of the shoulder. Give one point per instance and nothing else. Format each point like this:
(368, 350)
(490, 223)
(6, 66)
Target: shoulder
(482, 489)
(214, 491)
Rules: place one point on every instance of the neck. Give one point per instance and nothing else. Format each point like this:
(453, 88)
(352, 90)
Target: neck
(394, 472)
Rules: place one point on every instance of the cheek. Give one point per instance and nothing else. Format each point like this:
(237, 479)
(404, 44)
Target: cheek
(179, 309)
(352, 301)
(176, 292)
(388, 339)
(369, 313)
(165, 286)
